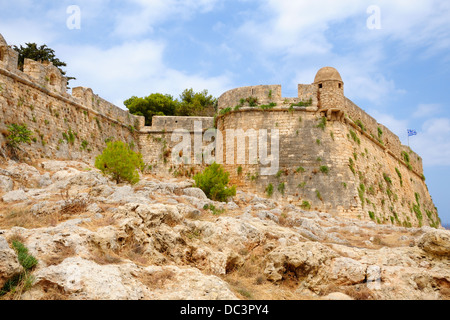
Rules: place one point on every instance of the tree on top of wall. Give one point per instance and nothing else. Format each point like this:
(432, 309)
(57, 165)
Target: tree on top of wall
(41, 54)
(156, 104)
(196, 104)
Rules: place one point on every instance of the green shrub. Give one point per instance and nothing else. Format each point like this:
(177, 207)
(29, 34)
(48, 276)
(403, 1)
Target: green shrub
(324, 169)
(26, 260)
(360, 124)
(387, 178)
(269, 190)
(120, 162)
(355, 137)
(252, 101)
(24, 280)
(318, 195)
(303, 103)
(268, 106)
(323, 123)
(306, 205)
(281, 188)
(215, 211)
(214, 182)
(300, 169)
(400, 176)
(18, 134)
(225, 111)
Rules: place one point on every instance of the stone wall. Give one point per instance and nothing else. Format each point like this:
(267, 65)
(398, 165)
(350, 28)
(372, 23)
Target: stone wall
(330, 170)
(63, 126)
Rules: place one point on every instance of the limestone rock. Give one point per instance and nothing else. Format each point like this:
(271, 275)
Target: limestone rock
(6, 184)
(185, 283)
(304, 260)
(436, 242)
(345, 271)
(16, 195)
(9, 264)
(85, 280)
(195, 192)
(55, 165)
(27, 175)
(337, 296)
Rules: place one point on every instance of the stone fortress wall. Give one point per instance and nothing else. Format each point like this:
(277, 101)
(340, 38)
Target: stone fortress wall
(64, 126)
(358, 152)
(349, 164)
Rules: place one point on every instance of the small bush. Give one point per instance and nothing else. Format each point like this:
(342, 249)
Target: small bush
(18, 134)
(281, 188)
(323, 123)
(269, 190)
(300, 169)
(387, 178)
(355, 137)
(23, 281)
(214, 182)
(324, 169)
(27, 261)
(303, 103)
(306, 205)
(120, 162)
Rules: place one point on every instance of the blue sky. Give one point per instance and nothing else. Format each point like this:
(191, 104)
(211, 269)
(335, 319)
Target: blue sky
(398, 73)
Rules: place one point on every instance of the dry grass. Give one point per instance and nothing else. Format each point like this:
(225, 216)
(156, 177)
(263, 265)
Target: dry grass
(50, 291)
(73, 205)
(94, 224)
(22, 217)
(129, 250)
(60, 253)
(357, 292)
(104, 257)
(156, 280)
(247, 281)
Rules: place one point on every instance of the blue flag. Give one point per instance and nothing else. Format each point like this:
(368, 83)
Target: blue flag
(411, 132)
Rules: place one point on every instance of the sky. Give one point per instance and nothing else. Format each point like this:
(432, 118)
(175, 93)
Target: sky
(393, 56)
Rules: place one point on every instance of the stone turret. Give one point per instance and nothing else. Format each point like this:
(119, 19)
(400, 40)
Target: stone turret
(330, 92)
(330, 87)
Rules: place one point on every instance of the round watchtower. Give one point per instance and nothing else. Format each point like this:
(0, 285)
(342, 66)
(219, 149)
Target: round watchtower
(330, 88)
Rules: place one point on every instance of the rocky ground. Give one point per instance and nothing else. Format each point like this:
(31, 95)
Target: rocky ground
(163, 239)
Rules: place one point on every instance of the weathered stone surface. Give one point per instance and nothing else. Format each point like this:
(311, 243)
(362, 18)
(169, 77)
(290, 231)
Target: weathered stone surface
(6, 184)
(195, 192)
(436, 242)
(16, 195)
(303, 260)
(337, 296)
(183, 248)
(9, 264)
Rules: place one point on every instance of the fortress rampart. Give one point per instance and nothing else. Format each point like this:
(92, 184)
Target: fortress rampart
(333, 156)
(64, 126)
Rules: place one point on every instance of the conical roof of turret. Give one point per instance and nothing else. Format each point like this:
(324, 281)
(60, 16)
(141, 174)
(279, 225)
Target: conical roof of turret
(327, 73)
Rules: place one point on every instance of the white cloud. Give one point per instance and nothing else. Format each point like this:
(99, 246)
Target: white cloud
(433, 143)
(427, 110)
(147, 14)
(134, 68)
(13, 31)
